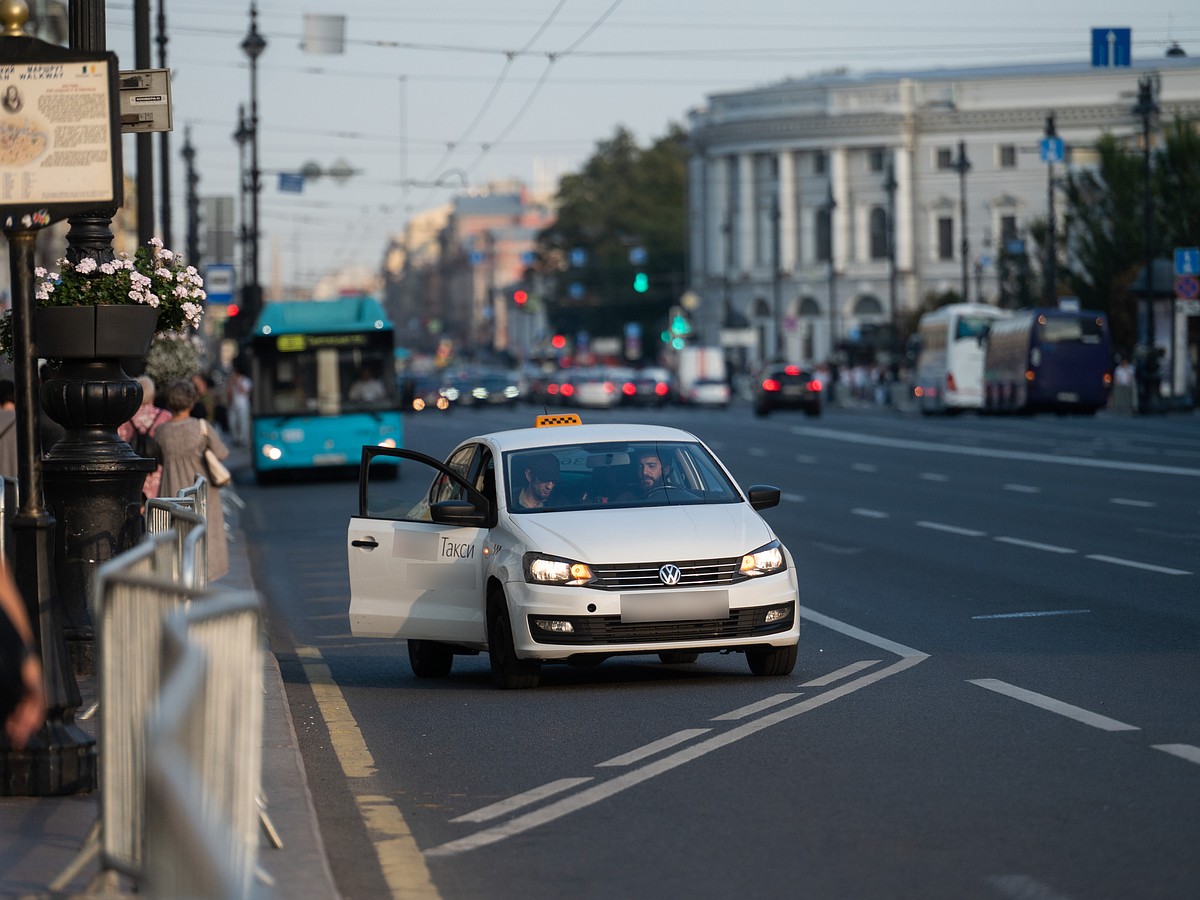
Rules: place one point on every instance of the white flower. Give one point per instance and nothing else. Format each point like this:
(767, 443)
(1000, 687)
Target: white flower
(163, 273)
(166, 254)
(135, 296)
(39, 272)
(86, 266)
(108, 268)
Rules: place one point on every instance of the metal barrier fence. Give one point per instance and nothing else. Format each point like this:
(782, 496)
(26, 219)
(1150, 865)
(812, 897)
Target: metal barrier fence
(190, 528)
(219, 740)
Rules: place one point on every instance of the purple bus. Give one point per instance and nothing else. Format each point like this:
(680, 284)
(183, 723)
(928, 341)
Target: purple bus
(1048, 359)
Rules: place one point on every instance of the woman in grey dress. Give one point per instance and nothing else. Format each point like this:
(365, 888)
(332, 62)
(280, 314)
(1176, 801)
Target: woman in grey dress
(183, 440)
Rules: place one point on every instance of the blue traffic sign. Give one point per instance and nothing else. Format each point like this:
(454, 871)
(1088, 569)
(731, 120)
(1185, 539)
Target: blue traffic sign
(218, 283)
(1187, 260)
(1052, 150)
(1112, 47)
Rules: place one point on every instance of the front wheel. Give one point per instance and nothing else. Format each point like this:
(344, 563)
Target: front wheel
(773, 661)
(509, 672)
(429, 659)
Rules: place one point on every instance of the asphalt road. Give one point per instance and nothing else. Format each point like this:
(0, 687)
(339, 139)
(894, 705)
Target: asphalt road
(996, 694)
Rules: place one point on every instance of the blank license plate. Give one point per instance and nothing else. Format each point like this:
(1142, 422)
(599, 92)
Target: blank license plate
(674, 606)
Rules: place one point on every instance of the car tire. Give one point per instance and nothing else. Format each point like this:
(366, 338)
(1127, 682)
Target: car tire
(509, 672)
(773, 661)
(678, 657)
(429, 659)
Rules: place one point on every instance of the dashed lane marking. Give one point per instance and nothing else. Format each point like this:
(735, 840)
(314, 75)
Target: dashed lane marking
(843, 672)
(1134, 564)
(654, 747)
(754, 708)
(1023, 488)
(952, 529)
(1143, 504)
(1022, 887)
(1183, 751)
(870, 513)
(1033, 614)
(1078, 713)
(791, 498)
(400, 860)
(1034, 545)
(934, 476)
(512, 804)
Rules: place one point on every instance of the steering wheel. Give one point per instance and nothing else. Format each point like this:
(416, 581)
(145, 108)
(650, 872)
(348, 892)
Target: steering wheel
(671, 491)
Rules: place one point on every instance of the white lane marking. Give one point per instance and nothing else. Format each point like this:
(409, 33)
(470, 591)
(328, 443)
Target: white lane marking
(602, 791)
(934, 476)
(853, 438)
(864, 467)
(1134, 564)
(1034, 545)
(1023, 488)
(1078, 713)
(952, 529)
(754, 708)
(806, 458)
(757, 451)
(1183, 751)
(870, 513)
(1121, 501)
(654, 747)
(859, 635)
(791, 498)
(843, 672)
(1033, 614)
(512, 804)
(1022, 887)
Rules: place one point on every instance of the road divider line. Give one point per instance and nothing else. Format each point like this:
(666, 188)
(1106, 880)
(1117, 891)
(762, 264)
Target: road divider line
(1033, 614)
(1134, 564)
(870, 513)
(759, 452)
(400, 859)
(806, 458)
(934, 476)
(512, 804)
(1023, 488)
(859, 634)
(654, 747)
(865, 467)
(791, 498)
(1034, 545)
(1183, 751)
(843, 672)
(952, 529)
(1081, 461)
(606, 789)
(754, 708)
(1022, 887)
(1121, 501)
(1078, 713)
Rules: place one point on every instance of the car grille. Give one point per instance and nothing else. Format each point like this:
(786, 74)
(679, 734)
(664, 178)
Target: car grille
(590, 630)
(693, 573)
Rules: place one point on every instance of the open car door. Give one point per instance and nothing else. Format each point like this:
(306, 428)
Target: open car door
(415, 549)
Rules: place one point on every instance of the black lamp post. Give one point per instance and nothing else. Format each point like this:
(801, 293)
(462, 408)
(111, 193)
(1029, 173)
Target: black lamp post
(890, 185)
(1146, 109)
(253, 46)
(830, 206)
(962, 166)
(188, 152)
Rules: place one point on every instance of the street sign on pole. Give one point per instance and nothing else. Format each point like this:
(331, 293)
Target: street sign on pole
(218, 283)
(1187, 260)
(1111, 47)
(1187, 287)
(1052, 150)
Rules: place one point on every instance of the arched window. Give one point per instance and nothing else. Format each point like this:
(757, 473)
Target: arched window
(867, 306)
(878, 233)
(809, 307)
(762, 309)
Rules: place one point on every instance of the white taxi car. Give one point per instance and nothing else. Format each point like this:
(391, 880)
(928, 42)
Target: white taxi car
(569, 543)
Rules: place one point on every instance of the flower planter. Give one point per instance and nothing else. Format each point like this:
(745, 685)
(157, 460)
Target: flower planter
(94, 332)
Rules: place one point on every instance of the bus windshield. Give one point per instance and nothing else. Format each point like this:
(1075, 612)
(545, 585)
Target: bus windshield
(324, 374)
(972, 326)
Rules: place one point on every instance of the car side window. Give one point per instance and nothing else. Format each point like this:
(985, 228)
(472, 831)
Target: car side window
(444, 488)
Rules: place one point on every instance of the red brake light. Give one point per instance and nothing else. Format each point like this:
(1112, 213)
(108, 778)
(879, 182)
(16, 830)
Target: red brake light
(661, 389)
(568, 389)
(552, 388)
(770, 384)
(814, 385)
(629, 389)
(609, 387)
(950, 382)
(792, 370)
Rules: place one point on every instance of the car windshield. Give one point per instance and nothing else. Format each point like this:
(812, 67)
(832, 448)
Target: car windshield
(615, 474)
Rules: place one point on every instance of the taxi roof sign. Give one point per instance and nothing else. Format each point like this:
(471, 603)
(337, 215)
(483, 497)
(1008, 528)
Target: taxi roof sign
(560, 419)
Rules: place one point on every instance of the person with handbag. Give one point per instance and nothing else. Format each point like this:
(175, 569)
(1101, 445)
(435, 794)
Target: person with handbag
(139, 431)
(185, 442)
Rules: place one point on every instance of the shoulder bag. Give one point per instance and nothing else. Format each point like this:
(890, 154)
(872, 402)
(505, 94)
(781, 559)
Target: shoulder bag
(218, 475)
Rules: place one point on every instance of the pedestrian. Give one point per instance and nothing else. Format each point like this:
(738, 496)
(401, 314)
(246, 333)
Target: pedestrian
(8, 428)
(1124, 386)
(239, 386)
(142, 424)
(22, 696)
(183, 440)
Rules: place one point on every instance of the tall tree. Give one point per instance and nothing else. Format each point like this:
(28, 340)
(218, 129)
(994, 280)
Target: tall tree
(622, 214)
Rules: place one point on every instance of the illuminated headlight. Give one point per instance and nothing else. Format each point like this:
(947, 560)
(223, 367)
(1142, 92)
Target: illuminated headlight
(557, 626)
(512, 391)
(388, 442)
(541, 569)
(479, 393)
(778, 614)
(764, 560)
(271, 452)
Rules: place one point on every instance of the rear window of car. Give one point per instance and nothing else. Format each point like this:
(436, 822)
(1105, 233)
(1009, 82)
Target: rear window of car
(608, 475)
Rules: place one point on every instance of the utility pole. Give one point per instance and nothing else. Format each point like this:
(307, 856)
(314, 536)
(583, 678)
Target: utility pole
(1051, 248)
(962, 166)
(776, 250)
(1147, 109)
(830, 206)
(165, 140)
(889, 185)
(144, 141)
(192, 201)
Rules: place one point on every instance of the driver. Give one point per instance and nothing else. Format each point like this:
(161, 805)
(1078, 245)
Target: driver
(651, 470)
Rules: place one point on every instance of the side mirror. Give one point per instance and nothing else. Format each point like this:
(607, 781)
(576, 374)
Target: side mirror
(462, 513)
(763, 496)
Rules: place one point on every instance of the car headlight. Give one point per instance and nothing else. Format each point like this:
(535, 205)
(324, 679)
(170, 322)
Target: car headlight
(543, 569)
(763, 561)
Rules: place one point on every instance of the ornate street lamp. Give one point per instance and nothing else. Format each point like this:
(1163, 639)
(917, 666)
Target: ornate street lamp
(962, 166)
(253, 46)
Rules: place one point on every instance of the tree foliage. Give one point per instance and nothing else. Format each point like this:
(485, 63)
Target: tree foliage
(626, 197)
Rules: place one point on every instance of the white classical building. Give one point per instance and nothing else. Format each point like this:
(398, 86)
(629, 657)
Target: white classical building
(789, 189)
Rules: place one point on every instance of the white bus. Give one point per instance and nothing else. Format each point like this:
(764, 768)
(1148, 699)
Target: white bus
(949, 370)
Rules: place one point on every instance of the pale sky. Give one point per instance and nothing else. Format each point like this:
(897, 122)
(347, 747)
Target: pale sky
(526, 88)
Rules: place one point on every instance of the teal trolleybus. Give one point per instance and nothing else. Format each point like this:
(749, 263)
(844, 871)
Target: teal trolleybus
(324, 384)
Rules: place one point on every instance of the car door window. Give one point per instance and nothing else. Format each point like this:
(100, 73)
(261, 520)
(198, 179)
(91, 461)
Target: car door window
(422, 481)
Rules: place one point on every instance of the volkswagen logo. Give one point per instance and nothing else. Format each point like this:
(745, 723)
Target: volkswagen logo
(669, 574)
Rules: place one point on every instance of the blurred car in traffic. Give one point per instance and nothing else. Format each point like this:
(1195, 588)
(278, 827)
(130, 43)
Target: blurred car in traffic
(595, 388)
(711, 392)
(651, 386)
(424, 392)
(780, 386)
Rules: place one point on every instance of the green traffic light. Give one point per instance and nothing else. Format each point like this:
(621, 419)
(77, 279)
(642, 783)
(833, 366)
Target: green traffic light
(641, 282)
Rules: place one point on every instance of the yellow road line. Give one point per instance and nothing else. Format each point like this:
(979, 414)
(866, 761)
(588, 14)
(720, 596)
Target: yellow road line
(400, 859)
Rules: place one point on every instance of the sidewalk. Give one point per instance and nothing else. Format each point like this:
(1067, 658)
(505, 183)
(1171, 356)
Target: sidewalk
(40, 836)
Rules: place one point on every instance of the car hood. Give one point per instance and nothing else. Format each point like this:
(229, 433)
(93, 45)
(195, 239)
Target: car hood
(647, 535)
